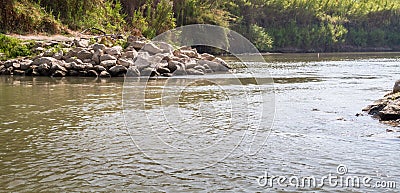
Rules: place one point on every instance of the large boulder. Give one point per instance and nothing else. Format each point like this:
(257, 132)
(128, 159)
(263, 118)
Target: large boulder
(387, 109)
(152, 48)
(117, 70)
(84, 54)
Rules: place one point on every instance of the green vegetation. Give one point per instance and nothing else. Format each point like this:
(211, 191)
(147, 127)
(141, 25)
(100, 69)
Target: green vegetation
(13, 47)
(272, 25)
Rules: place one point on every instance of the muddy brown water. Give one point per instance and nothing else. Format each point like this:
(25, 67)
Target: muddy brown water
(77, 134)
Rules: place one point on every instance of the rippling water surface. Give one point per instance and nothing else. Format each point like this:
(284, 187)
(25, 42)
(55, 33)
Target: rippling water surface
(209, 133)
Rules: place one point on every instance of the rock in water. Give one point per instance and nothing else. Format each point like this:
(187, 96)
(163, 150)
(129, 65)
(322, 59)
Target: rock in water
(388, 108)
(396, 87)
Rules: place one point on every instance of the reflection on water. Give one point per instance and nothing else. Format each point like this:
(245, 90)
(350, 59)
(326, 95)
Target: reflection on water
(69, 134)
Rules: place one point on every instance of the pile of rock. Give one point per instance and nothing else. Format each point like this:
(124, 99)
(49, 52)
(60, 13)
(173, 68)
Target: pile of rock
(387, 109)
(140, 58)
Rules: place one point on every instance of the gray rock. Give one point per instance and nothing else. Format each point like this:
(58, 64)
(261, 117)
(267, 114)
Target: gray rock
(10, 63)
(172, 65)
(117, 70)
(200, 68)
(133, 71)
(108, 63)
(396, 87)
(107, 57)
(97, 47)
(96, 57)
(125, 62)
(137, 44)
(43, 60)
(59, 73)
(99, 68)
(142, 60)
(59, 55)
(130, 54)
(215, 66)
(190, 53)
(152, 48)
(81, 43)
(77, 67)
(73, 73)
(92, 73)
(168, 48)
(43, 69)
(115, 51)
(48, 53)
(180, 69)
(84, 54)
(208, 57)
(104, 74)
(16, 65)
(19, 72)
(148, 71)
(57, 67)
(163, 70)
(193, 71)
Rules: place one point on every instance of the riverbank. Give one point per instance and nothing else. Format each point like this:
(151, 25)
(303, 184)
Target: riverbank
(107, 56)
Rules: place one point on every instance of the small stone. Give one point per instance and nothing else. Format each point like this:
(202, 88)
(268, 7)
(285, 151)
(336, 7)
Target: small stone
(98, 47)
(73, 73)
(81, 43)
(115, 51)
(208, 57)
(130, 54)
(107, 57)
(108, 63)
(125, 62)
(19, 72)
(92, 73)
(59, 73)
(133, 71)
(99, 68)
(43, 69)
(48, 53)
(163, 70)
(59, 55)
(16, 65)
(104, 74)
(194, 72)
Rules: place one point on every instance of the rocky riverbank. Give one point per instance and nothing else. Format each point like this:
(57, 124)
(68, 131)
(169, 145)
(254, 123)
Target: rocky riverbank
(140, 57)
(387, 109)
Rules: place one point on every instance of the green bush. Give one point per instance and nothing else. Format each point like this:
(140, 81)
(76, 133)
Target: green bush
(13, 47)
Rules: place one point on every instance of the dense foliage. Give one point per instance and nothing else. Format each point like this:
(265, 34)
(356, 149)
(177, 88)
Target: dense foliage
(277, 25)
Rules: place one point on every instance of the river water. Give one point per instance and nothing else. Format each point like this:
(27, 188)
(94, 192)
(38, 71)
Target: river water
(214, 133)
